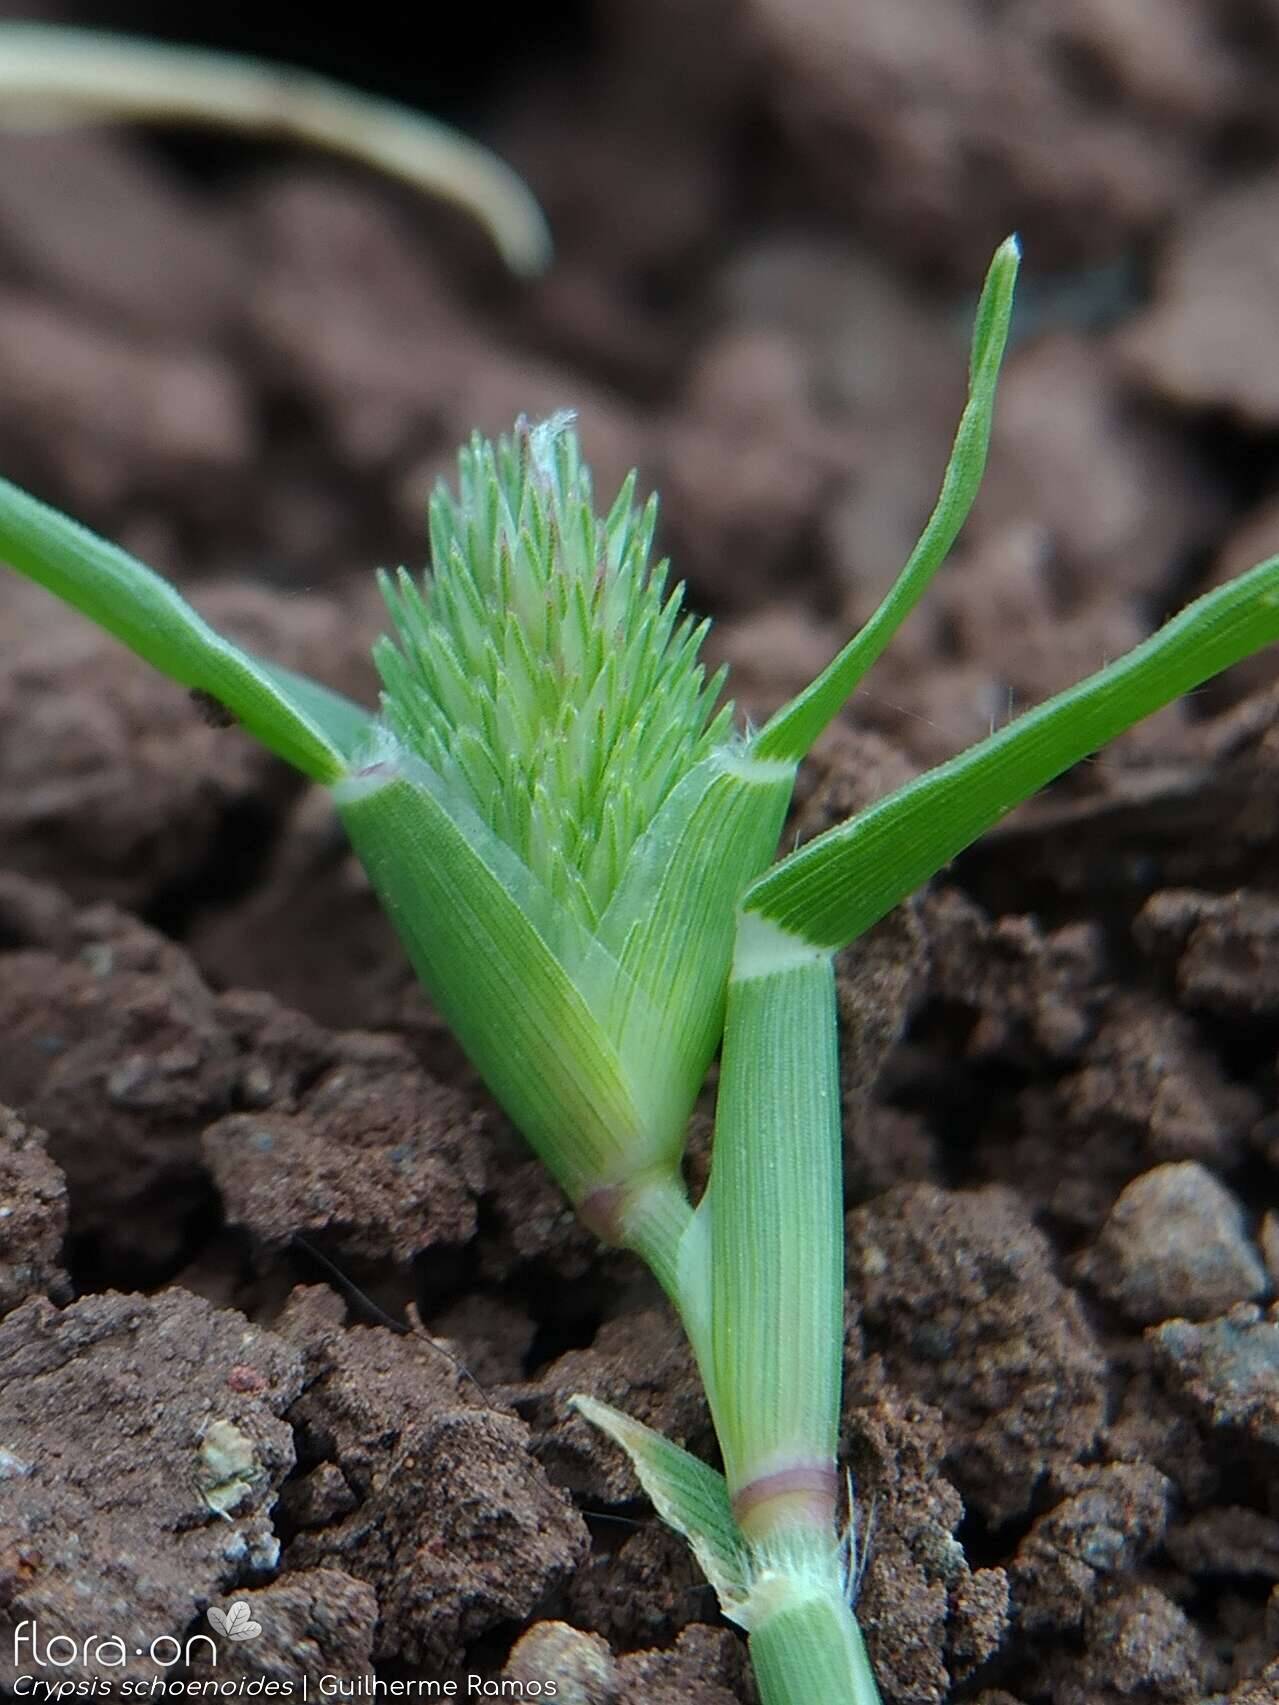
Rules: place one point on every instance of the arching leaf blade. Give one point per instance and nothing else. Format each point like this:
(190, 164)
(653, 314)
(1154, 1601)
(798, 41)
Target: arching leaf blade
(832, 890)
(302, 722)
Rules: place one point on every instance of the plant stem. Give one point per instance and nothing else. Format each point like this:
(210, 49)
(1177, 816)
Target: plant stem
(655, 1219)
(809, 1649)
(777, 1246)
(775, 1206)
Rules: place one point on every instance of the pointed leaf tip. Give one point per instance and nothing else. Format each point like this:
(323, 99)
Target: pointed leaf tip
(792, 731)
(688, 1496)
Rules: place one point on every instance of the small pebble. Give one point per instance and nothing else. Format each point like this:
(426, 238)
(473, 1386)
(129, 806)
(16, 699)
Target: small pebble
(1228, 1370)
(1175, 1246)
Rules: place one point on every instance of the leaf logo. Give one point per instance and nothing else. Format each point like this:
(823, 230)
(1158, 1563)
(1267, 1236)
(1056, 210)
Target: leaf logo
(236, 1623)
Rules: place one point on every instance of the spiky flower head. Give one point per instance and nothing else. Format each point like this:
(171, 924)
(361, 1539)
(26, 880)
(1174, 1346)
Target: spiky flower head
(543, 669)
(559, 820)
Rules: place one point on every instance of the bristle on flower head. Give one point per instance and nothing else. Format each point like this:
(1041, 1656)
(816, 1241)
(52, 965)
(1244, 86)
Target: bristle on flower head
(542, 668)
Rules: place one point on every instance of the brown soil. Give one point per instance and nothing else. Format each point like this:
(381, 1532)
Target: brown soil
(289, 1315)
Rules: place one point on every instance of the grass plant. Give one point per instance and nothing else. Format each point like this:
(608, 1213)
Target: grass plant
(577, 844)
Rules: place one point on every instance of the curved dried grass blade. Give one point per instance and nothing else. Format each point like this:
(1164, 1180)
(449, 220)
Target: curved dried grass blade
(56, 74)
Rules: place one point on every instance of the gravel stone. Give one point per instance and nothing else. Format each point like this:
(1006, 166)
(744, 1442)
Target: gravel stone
(1175, 1245)
(1227, 1369)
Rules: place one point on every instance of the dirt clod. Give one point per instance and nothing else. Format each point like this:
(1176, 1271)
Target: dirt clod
(641, 1362)
(1225, 948)
(33, 1216)
(927, 1616)
(958, 1293)
(113, 1046)
(142, 1480)
(1228, 1540)
(375, 1154)
(1218, 271)
(1029, 994)
(1147, 1089)
(1139, 1642)
(648, 1584)
(580, 1666)
(705, 1666)
(1113, 1519)
(456, 1527)
(1227, 1370)
(942, 130)
(312, 1621)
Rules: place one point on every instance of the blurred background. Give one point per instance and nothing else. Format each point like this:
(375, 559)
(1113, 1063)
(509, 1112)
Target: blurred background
(771, 219)
(249, 362)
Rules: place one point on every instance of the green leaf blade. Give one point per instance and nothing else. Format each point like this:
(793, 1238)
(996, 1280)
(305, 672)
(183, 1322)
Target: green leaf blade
(689, 1497)
(345, 724)
(832, 890)
(307, 725)
(792, 731)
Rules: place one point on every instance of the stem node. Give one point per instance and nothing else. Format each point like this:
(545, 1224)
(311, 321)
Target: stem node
(802, 1495)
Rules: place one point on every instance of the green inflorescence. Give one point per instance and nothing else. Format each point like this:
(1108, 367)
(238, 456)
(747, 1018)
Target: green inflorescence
(543, 669)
